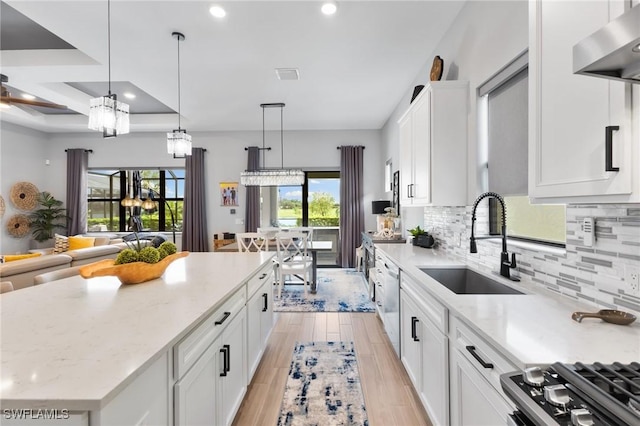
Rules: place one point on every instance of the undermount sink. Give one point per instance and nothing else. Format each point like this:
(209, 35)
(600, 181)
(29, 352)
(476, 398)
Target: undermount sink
(466, 281)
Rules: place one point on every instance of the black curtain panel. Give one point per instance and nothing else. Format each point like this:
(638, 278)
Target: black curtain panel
(77, 182)
(194, 219)
(351, 208)
(252, 211)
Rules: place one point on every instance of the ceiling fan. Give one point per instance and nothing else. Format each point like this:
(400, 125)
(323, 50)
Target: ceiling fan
(7, 99)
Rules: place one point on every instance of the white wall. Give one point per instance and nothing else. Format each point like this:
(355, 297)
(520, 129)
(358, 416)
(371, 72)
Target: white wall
(225, 160)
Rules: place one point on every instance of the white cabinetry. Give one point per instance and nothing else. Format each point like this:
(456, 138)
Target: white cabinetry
(433, 146)
(569, 114)
(476, 395)
(259, 316)
(424, 348)
(210, 366)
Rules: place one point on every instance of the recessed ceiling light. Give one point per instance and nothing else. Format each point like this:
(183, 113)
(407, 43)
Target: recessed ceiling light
(217, 11)
(329, 8)
(288, 73)
(129, 95)
(28, 96)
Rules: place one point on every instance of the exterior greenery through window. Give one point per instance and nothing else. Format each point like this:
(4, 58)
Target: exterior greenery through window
(108, 187)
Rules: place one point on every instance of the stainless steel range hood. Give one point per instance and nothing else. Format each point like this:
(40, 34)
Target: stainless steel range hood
(613, 51)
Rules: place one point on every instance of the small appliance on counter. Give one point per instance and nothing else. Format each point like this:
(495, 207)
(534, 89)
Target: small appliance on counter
(424, 240)
(575, 394)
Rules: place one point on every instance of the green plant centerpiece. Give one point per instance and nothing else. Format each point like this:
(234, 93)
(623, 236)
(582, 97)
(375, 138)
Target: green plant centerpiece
(136, 263)
(50, 217)
(421, 237)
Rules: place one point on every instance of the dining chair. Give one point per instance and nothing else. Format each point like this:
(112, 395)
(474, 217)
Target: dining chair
(270, 232)
(306, 229)
(251, 241)
(293, 258)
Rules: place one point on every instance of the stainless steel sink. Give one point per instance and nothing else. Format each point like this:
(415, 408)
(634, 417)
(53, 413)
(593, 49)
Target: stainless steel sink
(466, 281)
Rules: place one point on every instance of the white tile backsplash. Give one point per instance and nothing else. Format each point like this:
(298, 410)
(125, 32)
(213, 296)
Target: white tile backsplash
(594, 275)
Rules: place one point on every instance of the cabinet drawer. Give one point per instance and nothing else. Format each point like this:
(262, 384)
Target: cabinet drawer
(189, 349)
(435, 311)
(262, 276)
(469, 343)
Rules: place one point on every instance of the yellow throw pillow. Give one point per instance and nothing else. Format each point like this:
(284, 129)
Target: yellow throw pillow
(76, 243)
(14, 257)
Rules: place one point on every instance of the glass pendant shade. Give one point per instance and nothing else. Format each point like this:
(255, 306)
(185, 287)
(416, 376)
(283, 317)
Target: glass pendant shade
(179, 143)
(127, 201)
(148, 204)
(275, 177)
(109, 116)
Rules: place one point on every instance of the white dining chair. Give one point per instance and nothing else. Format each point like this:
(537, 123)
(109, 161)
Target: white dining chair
(305, 229)
(251, 241)
(293, 258)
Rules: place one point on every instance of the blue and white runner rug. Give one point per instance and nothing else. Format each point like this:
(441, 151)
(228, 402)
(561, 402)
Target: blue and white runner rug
(323, 387)
(338, 290)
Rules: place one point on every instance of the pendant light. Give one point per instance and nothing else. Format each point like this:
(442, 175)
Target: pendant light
(272, 177)
(179, 141)
(106, 113)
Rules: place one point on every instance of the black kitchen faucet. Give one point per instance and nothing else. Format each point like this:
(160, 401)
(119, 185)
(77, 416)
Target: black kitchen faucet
(505, 264)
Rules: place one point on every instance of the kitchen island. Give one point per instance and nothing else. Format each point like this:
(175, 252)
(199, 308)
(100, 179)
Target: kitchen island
(78, 344)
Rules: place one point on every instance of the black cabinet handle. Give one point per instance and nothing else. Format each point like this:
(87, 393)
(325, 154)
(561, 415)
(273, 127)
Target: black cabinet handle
(265, 300)
(472, 351)
(225, 359)
(608, 166)
(223, 319)
(414, 333)
(262, 276)
(409, 191)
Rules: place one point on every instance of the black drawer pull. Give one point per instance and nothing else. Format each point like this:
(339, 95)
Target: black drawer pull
(225, 360)
(223, 319)
(608, 166)
(262, 277)
(472, 351)
(265, 300)
(414, 333)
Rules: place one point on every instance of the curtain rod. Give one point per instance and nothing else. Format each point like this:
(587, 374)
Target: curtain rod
(246, 148)
(86, 150)
(363, 147)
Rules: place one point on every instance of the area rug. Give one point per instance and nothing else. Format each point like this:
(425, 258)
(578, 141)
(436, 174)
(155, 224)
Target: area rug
(323, 387)
(338, 290)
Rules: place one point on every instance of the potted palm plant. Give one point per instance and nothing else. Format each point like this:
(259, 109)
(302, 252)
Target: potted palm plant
(45, 220)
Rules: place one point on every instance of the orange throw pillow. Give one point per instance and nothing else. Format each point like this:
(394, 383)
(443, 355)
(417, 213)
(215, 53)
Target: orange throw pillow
(14, 257)
(76, 243)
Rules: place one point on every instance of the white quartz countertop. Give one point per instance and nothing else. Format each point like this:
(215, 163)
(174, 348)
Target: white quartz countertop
(76, 343)
(531, 329)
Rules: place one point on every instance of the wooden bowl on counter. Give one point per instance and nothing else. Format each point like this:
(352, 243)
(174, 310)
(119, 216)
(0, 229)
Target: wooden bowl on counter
(130, 273)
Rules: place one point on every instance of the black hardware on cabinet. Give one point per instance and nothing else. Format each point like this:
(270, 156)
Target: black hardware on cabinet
(408, 191)
(265, 301)
(226, 359)
(472, 351)
(224, 318)
(262, 276)
(414, 334)
(608, 166)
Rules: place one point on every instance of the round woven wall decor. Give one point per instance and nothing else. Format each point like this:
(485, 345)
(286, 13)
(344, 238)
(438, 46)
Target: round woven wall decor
(18, 225)
(24, 195)
(2, 206)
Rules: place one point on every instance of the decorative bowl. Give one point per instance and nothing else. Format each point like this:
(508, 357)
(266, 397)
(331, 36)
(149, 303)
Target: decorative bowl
(130, 273)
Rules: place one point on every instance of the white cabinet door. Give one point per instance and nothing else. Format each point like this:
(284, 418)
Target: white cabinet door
(569, 113)
(435, 377)
(421, 126)
(259, 325)
(473, 400)
(232, 361)
(195, 393)
(411, 347)
(406, 159)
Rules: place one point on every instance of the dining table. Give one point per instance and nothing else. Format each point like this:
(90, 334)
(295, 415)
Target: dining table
(313, 246)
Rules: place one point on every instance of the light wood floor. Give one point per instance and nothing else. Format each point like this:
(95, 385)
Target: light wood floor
(389, 396)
